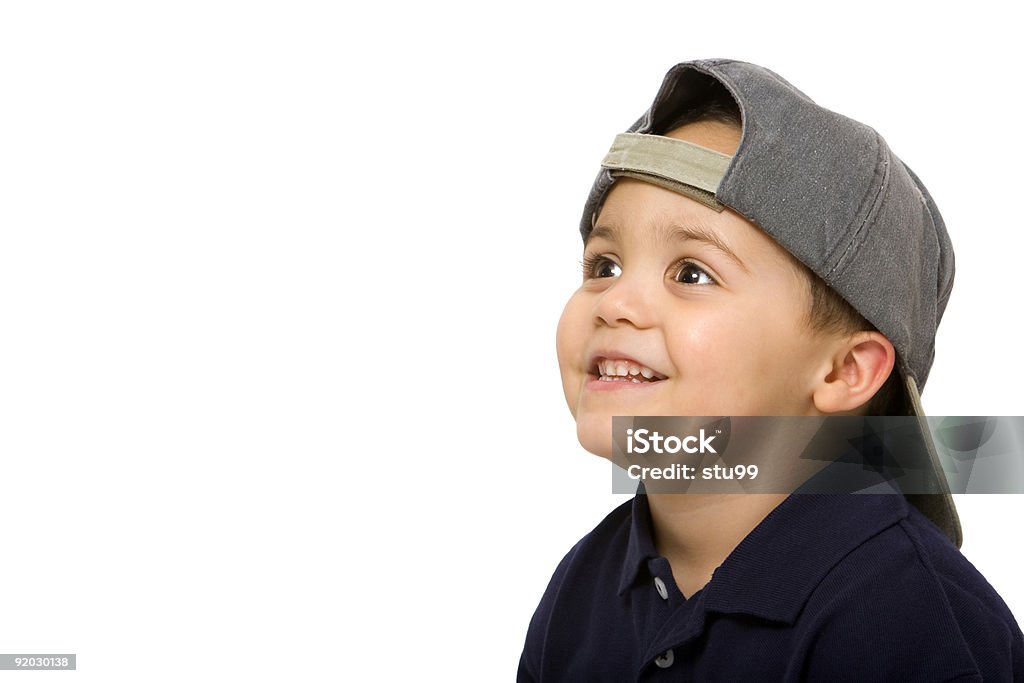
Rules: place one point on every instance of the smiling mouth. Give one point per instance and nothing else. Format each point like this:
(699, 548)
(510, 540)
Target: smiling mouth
(627, 371)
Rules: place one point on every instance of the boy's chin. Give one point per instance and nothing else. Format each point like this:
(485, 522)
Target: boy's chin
(596, 436)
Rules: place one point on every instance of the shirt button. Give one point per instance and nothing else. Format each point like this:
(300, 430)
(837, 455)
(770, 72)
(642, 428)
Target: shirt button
(659, 585)
(665, 660)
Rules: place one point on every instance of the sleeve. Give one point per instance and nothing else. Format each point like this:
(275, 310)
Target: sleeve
(889, 644)
(527, 671)
(886, 616)
(530, 663)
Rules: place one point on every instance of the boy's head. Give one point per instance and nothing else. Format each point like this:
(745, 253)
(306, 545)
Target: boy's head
(754, 254)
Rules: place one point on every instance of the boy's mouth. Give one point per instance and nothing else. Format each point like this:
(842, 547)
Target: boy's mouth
(624, 370)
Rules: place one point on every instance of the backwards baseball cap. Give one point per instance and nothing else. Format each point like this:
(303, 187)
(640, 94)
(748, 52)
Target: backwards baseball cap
(826, 188)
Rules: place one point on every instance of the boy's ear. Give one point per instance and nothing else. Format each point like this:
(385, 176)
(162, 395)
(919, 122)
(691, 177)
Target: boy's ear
(859, 368)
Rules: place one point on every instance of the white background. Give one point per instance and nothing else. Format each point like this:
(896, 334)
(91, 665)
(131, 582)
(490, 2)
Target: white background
(278, 293)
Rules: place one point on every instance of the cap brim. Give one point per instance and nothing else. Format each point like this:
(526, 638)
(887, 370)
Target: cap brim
(939, 506)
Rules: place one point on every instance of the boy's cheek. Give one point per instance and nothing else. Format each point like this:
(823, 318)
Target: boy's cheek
(570, 345)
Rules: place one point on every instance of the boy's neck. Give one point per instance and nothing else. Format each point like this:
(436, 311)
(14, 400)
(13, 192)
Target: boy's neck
(696, 532)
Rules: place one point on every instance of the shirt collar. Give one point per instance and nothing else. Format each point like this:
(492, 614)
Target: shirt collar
(773, 571)
(641, 541)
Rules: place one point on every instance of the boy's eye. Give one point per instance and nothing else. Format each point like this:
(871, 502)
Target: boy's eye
(692, 274)
(600, 266)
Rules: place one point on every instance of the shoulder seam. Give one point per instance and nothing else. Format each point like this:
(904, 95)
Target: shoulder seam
(839, 561)
(925, 562)
(942, 581)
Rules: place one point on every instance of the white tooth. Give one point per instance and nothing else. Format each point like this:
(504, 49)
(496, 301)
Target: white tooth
(647, 372)
(635, 380)
(634, 370)
(620, 368)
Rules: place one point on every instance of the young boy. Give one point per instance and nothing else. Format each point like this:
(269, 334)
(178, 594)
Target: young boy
(750, 253)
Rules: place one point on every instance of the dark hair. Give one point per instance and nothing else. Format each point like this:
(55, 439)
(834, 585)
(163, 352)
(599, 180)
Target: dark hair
(828, 312)
(714, 104)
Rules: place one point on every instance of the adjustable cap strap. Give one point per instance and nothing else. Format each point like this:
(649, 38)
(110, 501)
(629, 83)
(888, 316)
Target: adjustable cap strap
(676, 165)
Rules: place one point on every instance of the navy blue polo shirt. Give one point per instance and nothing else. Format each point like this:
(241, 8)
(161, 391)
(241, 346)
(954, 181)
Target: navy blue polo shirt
(856, 587)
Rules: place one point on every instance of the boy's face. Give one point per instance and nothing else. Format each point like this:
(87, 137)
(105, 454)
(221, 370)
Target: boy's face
(660, 297)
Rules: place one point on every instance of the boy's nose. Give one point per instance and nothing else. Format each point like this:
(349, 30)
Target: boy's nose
(625, 302)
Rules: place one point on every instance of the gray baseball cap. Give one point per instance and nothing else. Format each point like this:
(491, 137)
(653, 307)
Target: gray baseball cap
(826, 188)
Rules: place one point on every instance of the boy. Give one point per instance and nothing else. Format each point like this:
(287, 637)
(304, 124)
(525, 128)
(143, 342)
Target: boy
(750, 253)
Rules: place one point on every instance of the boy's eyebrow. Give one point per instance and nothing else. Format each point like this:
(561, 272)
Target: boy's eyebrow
(677, 233)
(701, 234)
(604, 232)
